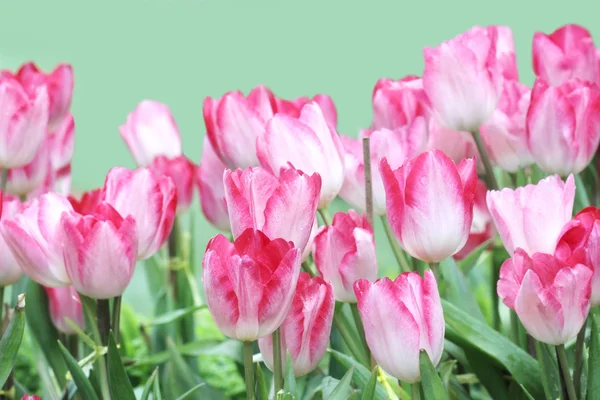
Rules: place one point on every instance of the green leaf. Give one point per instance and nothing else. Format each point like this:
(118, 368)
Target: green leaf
(457, 289)
(156, 393)
(549, 370)
(84, 386)
(193, 390)
(361, 373)
(489, 375)
(432, 385)
(11, 340)
(290, 379)
(149, 384)
(593, 385)
(342, 389)
(261, 383)
(174, 315)
(446, 369)
(471, 261)
(527, 394)
(369, 390)
(120, 386)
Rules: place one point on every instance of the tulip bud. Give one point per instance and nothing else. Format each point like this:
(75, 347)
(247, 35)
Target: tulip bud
(10, 272)
(398, 103)
(409, 308)
(183, 173)
(294, 107)
(24, 180)
(212, 191)
(65, 303)
(249, 284)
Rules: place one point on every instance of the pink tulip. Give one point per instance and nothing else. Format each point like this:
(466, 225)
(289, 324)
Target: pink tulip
(398, 103)
(409, 308)
(62, 145)
(88, 201)
(345, 252)
(249, 284)
(35, 237)
(429, 202)
(505, 134)
(566, 53)
(306, 143)
(100, 251)
(463, 78)
(506, 59)
(183, 173)
(151, 201)
(306, 328)
(293, 107)
(10, 272)
(23, 180)
(455, 144)
(212, 191)
(551, 297)
(30, 397)
(65, 303)
(532, 217)
(281, 207)
(563, 125)
(151, 131)
(23, 122)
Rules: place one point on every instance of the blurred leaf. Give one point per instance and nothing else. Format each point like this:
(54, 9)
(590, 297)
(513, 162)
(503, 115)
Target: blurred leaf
(11, 340)
(593, 377)
(84, 387)
(457, 290)
(149, 384)
(369, 390)
(193, 390)
(313, 385)
(261, 383)
(229, 348)
(156, 392)
(361, 373)
(289, 384)
(527, 394)
(174, 315)
(489, 375)
(471, 260)
(336, 370)
(432, 385)
(338, 390)
(549, 370)
(446, 369)
(120, 386)
(156, 272)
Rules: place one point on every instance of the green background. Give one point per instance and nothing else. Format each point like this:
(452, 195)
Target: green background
(178, 52)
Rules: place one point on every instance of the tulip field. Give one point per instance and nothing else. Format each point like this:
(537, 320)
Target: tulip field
(487, 190)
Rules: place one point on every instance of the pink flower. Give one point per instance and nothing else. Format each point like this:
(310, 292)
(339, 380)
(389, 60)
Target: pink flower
(306, 328)
(281, 207)
(566, 53)
(183, 173)
(212, 191)
(151, 201)
(398, 103)
(429, 202)
(563, 125)
(293, 107)
(307, 143)
(249, 284)
(30, 397)
(35, 237)
(10, 271)
(100, 251)
(505, 134)
(532, 217)
(65, 303)
(88, 201)
(23, 180)
(506, 59)
(409, 308)
(455, 144)
(62, 145)
(551, 297)
(345, 252)
(151, 131)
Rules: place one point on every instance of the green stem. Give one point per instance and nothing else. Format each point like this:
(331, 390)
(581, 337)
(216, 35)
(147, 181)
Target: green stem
(564, 363)
(398, 253)
(579, 358)
(415, 391)
(103, 312)
(249, 370)
(495, 277)
(361, 329)
(581, 194)
(1, 310)
(490, 178)
(3, 179)
(368, 179)
(514, 328)
(277, 365)
(343, 326)
(325, 216)
(116, 318)
(435, 268)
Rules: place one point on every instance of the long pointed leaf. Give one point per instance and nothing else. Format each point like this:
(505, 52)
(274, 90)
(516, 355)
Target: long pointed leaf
(457, 289)
(11, 340)
(343, 388)
(593, 377)
(120, 386)
(432, 385)
(148, 385)
(369, 390)
(361, 373)
(84, 386)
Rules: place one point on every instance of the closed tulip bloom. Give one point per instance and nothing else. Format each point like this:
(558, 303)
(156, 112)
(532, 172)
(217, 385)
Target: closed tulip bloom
(306, 328)
(30, 397)
(345, 252)
(62, 145)
(307, 143)
(23, 180)
(294, 107)
(506, 59)
(151, 201)
(183, 173)
(398, 103)
(532, 217)
(35, 237)
(568, 52)
(429, 202)
(65, 303)
(249, 284)
(281, 207)
(151, 131)
(551, 297)
(100, 251)
(10, 271)
(455, 144)
(563, 125)
(409, 308)
(212, 190)
(88, 201)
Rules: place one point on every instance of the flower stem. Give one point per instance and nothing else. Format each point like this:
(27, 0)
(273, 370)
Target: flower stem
(361, 329)
(415, 391)
(402, 262)
(116, 318)
(277, 365)
(249, 370)
(3, 179)
(103, 311)
(368, 179)
(562, 359)
(325, 216)
(579, 358)
(435, 268)
(490, 178)
(1, 310)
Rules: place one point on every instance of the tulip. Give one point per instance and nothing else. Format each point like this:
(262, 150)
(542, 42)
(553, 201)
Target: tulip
(100, 251)
(151, 201)
(409, 308)
(566, 53)
(62, 145)
(249, 284)
(455, 144)
(151, 131)
(23, 180)
(30, 397)
(398, 103)
(506, 59)
(551, 297)
(35, 237)
(293, 108)
(183, 173)
(532, 217)
(88, 201)
(429, 202)
(306, 143)
(65, 303)
(281, 207)
(10, 272)
(563, 125)
(306, 328)
(212, 191)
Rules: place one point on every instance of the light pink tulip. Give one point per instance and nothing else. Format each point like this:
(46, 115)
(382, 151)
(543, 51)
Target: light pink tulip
(566, 53)
(398, 103)
(65, 303)
(151, 201)
(100, 251)
(306, 328)
(563, 125)
(151, 131)
(506, 59)
(249, 284)
(455, 144)
(281, 207)
(183, 173)
(62, 145)
(409, 308)
(345, 252)
(532, 217)
(24, 180)
(429, 202)
(10, 271)
(307, 143)
(88, 201)
(551, 297)
(293, 107)
(212, 191)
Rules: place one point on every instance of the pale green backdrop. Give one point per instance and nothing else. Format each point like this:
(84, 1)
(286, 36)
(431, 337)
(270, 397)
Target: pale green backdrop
(178, 52)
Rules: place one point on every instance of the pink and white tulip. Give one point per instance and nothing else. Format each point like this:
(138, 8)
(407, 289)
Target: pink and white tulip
(87, 202)
(10, 271)
(455, 144)
(24, 180)
(183, 173)
(212, 190)
(65, 303)
(62, 145)
(294, 107)
(398, 103)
